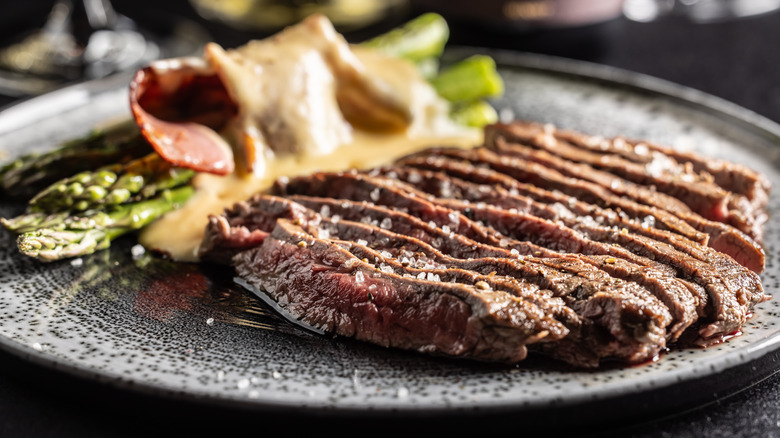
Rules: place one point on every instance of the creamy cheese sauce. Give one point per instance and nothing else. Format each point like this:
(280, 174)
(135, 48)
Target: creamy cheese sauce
(179, 233)
(289, 82)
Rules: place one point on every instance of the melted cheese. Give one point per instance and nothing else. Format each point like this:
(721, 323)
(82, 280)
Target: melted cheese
(179, 233)
(288, 83)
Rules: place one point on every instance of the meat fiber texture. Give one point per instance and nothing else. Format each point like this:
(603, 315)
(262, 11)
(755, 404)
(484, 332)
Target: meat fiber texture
(555, 243)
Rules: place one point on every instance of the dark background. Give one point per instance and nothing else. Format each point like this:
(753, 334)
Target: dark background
(736, 60)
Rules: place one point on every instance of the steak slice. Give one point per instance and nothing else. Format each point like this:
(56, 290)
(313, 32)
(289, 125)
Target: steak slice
(323, 285)
(706, 200)
(243, 226)
(723, 237)
(690, 165)
(448, 170)
(537, 241)
(582, 346)
(540, 176)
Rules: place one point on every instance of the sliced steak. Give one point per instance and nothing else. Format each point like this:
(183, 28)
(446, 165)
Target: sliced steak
(684, 305)
(613, 319)
(323, 285)
(570, 214)
(571, 246)
(632, 317)
(723, 237)
(708, 200)
(448, 170)
(731, 294)
(663, 159)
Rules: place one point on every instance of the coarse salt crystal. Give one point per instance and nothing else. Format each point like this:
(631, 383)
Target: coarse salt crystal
(137, 250)
(386, 223)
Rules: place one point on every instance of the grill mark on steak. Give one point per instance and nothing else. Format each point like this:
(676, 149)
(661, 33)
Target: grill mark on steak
(684, 305)
(325, 286)
(730, 176)
(708, 200)
(443, 186)
(722, 237)
(713, 205)
(533, 173)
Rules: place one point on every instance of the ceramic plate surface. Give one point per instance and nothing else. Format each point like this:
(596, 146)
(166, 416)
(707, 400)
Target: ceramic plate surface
(183, 330)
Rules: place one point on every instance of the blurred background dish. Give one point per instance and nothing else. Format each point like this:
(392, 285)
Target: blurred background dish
(699, 11)
(269, 15)
(87, 39)
(526, 15)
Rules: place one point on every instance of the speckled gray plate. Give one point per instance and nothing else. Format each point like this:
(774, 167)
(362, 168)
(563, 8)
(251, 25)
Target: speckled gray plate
(188, 331)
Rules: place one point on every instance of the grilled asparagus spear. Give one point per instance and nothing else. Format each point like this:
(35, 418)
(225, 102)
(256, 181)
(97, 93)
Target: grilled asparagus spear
(110, 185)
(466, 84)
(471, 79)
(418, 40)
(25, 176)
(77, 236)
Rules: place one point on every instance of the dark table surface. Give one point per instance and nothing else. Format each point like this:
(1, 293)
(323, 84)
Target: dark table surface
(736, 60)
